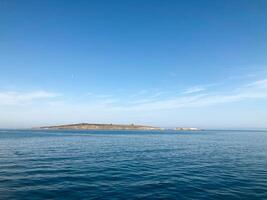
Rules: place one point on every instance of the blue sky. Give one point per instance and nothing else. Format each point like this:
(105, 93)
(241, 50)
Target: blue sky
(165, 63)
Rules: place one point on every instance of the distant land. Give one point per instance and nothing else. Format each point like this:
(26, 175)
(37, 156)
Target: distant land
(88, 126)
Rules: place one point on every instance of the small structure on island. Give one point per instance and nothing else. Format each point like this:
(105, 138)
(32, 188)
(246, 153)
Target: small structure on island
(186, 129)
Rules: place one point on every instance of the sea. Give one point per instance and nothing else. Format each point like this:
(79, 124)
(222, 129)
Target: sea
(209, 165)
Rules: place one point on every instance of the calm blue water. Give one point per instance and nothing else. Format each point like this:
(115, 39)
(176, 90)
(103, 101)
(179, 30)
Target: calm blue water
(133, 165)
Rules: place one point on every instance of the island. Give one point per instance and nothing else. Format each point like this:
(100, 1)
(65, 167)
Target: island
(94, 126)
(87, 126)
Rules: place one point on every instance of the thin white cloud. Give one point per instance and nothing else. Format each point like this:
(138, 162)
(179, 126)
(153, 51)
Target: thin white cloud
(260, 83)
(99, 96)
(139, 93)
(192, 97)
(20, 98)
(194, 89)
(148, 98)
(255, 90)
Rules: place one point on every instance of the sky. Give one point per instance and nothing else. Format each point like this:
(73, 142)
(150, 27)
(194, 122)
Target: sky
(173, 63)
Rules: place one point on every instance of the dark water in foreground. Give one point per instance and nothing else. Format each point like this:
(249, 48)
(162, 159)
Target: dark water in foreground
(133, 165)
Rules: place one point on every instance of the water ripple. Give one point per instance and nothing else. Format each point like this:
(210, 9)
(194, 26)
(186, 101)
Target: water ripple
(133, 165)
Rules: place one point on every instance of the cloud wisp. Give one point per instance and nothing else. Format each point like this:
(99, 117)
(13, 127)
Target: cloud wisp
(194, 97)
(194, 89)
(254, 90)
(11, 98)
